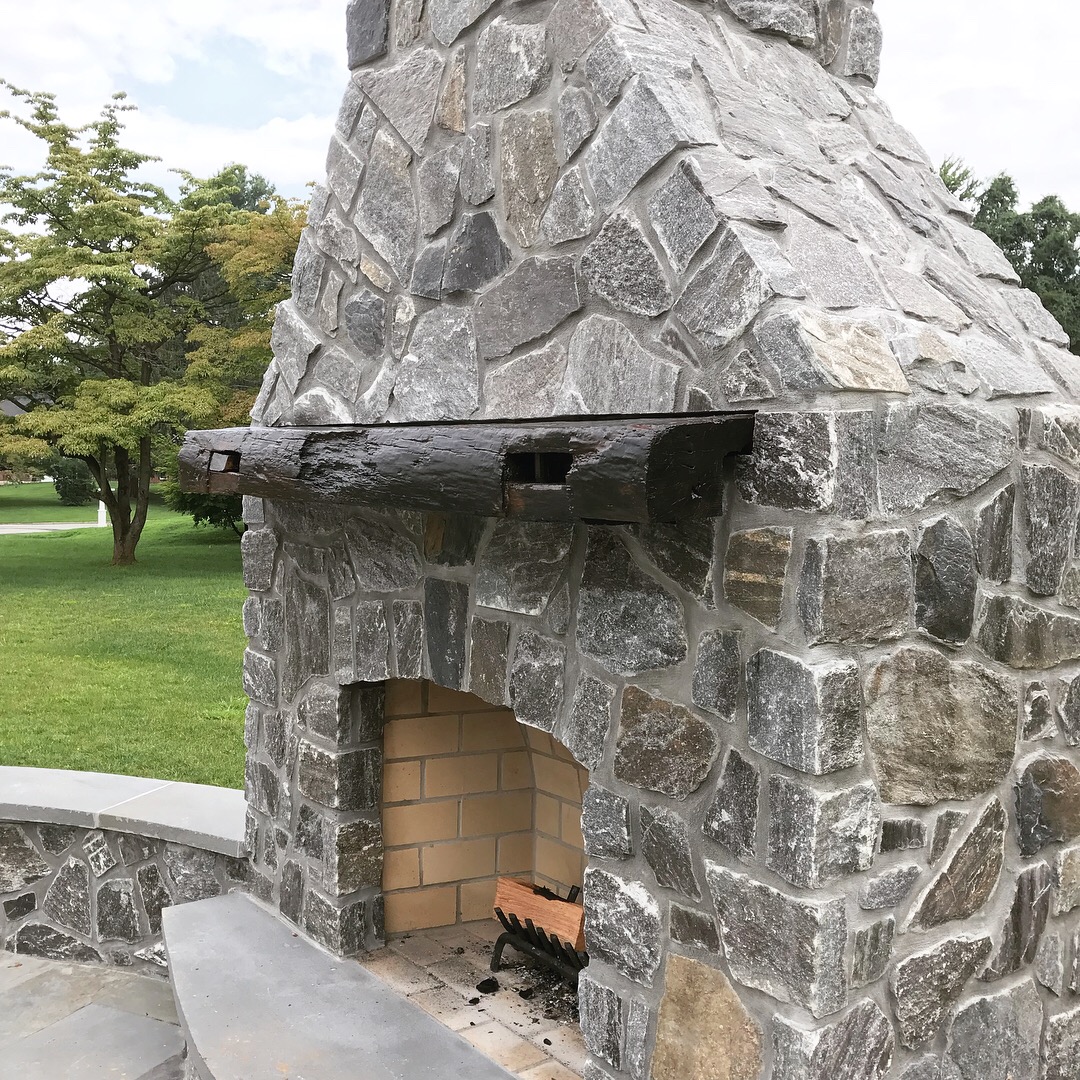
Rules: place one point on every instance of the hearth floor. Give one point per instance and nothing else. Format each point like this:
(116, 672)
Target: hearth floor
(439, 970)
(61, 1021)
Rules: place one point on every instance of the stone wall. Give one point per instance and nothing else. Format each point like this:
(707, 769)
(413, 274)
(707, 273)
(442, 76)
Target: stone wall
(834, 796)
(470, 795)
(92, 895)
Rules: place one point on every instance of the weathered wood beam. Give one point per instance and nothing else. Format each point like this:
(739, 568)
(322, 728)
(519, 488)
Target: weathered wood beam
(653, 469)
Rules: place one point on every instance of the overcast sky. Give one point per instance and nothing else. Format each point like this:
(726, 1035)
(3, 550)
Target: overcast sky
(259, 81)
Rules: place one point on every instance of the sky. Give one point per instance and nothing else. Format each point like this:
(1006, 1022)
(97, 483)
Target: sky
(259, 81)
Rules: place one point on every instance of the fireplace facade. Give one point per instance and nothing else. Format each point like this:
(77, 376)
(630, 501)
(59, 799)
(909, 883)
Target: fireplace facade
(833, 800)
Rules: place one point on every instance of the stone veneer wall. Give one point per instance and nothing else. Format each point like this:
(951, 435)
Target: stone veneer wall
(92, 895)
(469, 795)
(834, 799)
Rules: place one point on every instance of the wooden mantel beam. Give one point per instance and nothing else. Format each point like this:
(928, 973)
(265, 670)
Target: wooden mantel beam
(615, 469)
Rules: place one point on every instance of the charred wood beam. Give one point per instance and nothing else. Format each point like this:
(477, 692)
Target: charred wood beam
(653, 469)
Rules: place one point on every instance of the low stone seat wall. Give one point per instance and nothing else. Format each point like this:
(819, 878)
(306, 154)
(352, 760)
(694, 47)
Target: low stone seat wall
(88, 861)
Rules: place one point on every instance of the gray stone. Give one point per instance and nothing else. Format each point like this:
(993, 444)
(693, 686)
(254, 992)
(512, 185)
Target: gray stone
(353, 856)
(1066, 880)
(969, 878)
(732, 816)
(693, 928)
(929, 452)
(971, 295)
(192, 871)
(439, 378)
(684, 552)
(446, 614)
(605, 824)
(343, 170)
(920, 299)
(838, 276)
(856, 589)
(858, 1047)
(99, 854)
(437, 182)
(450, 17)
(386, 215)
(665, 844)
(863, 56)
(405, 94)
(56, 839)
(607, 371)
(367, 25)
(19, 906)
(569, 214)
(316, 407)
(622, 925)
(487, 665)
(794, 19)
(117, 919)
(650, 120)
(577, 118)
(902, 834)
(945, 582)
(803, 715)
(477, 182)
(744, 272)
(1061, 1046)
(20, 864)
(589, 721)
(1048, 509)
(926, 985)
(812, 350)
(155, 895)
(259, 678)
(794, 463)
(815, 836)
(1025, 636)
(1050, 963)
(1003, 370)
(371, 659)
(340, 930)
(662, 746)
(36, 939)
(476, 254)
(527, 386)
(938, 729)
(325, 712)
(529, 171)
(622, 268)
(682, 215)
(747, 378)
(1056, 429)
(259, 549)
(601, 1020)
(1047, 803)
(339, 241)
(998, 1035)
(526, 304)
(408, 638)
(1038, 719)
(1024, 925)
(307, 647)
(383, 559)
(946, 826)
(521, 565)
(933, 362)
(1028, 308)
(452, 539)
(307, 276)
(348, 781)
(511, 64)
(717, 673)
(871, 951)
(536, 680)
(292, 343)
(365, 322)
(755, 572)
(789, 948)
(68, 899)
(626, 621)
(890, 888)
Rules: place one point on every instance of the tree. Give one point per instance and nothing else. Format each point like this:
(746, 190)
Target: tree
(108, 293)
(1043, 243)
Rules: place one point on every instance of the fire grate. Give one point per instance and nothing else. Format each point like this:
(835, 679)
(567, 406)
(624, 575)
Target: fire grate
(524, 935)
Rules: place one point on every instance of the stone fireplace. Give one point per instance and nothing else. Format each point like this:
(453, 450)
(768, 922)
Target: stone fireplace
(827, 705)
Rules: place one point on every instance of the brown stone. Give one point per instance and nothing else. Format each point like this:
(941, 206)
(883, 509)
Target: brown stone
(703, 1031)
(755, 569)
(969, 878)
(1047, 803)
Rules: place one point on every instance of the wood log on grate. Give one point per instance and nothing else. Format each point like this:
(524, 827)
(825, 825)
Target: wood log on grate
(563, 918)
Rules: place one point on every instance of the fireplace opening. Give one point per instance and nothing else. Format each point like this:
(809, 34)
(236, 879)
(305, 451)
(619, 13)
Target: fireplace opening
(471, 796)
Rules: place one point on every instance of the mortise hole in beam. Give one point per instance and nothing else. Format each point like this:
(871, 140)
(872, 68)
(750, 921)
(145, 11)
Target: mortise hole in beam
(225, 462)
(545, 468)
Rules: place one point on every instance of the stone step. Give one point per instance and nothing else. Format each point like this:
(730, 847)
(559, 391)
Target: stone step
(255, 1000)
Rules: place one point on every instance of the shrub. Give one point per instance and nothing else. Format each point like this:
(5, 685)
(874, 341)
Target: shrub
(74, 482)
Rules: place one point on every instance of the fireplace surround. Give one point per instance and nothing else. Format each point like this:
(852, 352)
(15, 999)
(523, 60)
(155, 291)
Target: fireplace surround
(833, 797)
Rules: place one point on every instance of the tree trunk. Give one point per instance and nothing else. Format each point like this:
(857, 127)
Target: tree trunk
(128, 527)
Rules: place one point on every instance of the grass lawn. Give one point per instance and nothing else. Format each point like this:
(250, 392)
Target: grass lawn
(128, 670)
(22, 503)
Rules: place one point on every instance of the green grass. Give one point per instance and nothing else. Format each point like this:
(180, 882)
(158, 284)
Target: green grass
(127, 670)
(24, 503)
